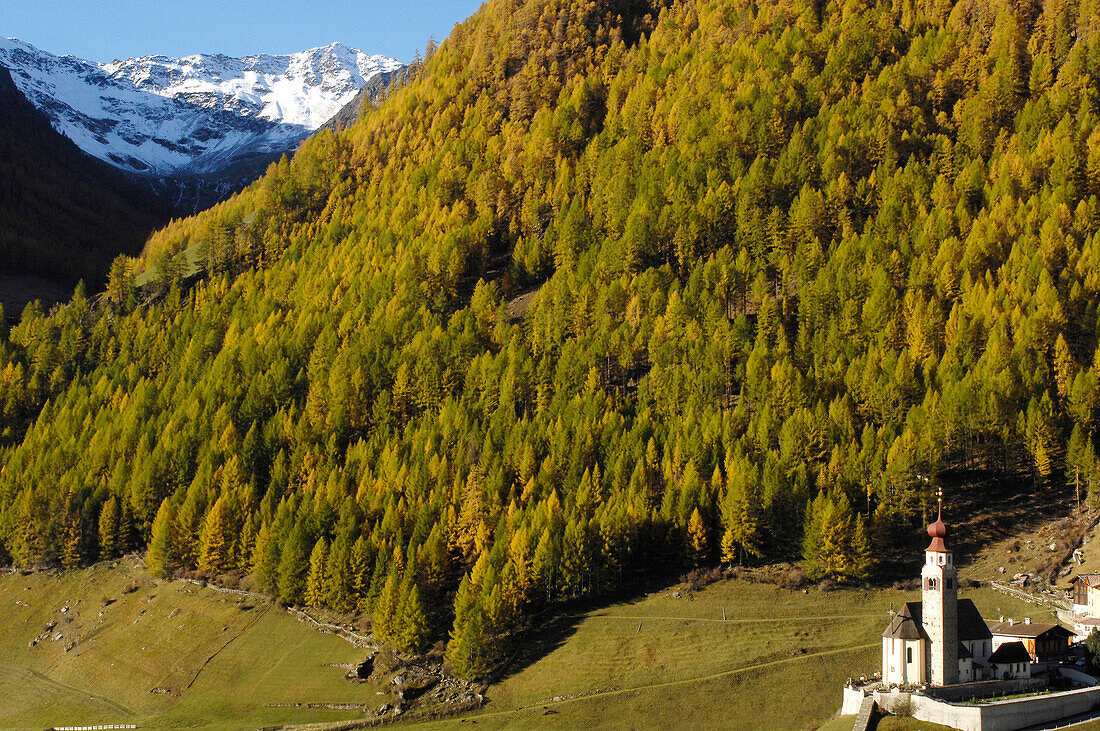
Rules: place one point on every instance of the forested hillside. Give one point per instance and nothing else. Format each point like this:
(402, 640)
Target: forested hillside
(63, 215)
(791, 260)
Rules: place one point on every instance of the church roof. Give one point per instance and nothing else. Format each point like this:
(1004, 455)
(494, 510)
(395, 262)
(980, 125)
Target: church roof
(938, 532)
(971, 624)
(1010, 652)
(909, 625)
(964, 652)
(906, 624)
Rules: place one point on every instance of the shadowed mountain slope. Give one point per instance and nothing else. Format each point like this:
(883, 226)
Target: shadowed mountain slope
(63, 215)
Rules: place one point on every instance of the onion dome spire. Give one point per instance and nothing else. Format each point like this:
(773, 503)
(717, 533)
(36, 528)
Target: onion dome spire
(938, 530)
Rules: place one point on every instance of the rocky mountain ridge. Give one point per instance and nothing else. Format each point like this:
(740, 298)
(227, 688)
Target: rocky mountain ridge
(162, 118)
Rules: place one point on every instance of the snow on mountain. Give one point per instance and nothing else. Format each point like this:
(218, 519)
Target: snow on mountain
(304, 88)
(159, 116)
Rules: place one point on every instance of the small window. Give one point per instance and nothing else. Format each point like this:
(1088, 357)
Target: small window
(908, 654)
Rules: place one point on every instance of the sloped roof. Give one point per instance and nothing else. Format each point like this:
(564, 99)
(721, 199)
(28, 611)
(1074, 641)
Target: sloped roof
(1089, 579)
(964, 652)
(1010, 652)
(1031, 631)
(971, 624)
(909, 625)
(906, 624)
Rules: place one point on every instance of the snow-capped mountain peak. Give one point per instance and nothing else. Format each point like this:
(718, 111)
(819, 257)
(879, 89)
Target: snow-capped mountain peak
(160, 116)
(304, 88)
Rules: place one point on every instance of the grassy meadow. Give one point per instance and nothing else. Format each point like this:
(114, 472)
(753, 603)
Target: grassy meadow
(778, 660)
(130, 649)
(161, 654)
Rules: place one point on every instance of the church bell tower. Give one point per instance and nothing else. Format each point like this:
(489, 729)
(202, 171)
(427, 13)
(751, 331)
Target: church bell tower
(940, 597)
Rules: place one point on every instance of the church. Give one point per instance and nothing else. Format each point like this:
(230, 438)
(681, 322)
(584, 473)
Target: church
(941, 640)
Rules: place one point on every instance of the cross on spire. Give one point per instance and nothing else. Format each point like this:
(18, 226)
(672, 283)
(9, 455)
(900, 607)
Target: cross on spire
(938, 531)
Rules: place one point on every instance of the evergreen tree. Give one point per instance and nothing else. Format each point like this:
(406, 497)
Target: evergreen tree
(315, 579)
(293, 565)
(741, 515)
(360, 569)
(160, 557)
(108, 529)
(71, 551)
(265, 560)
(216, 540)
(385, 611)
(412, 625)
(338, 576)
(698, 538)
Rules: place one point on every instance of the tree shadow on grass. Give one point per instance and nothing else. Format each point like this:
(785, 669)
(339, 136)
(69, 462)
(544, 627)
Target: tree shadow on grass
(552, 628)
(537, 642)
(981, 508)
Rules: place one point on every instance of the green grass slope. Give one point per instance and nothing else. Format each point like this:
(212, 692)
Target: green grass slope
(122, 647)
(162, 654)
(778, 660)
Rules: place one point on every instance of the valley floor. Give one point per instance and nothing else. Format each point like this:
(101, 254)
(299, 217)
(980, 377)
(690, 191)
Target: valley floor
(109, 644)
(778, 660)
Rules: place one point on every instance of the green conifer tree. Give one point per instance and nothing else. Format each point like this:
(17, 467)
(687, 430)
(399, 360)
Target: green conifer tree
(160, 558)
(412, 627)
(70, 552)
(265, 570)
(385, 611)
(293, 565)
(215, 540)
(108, 529)
(315, 579)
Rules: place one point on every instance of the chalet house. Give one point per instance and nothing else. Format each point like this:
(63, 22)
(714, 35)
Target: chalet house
(1086, 604)
(1083, 627)
(1043, 642)
(1010, 660)
(1086, 595)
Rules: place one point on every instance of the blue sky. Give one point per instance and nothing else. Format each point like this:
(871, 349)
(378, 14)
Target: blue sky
(102, 30)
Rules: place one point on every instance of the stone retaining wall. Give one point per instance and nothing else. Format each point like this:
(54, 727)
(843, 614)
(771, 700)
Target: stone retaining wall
(1006, 715)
